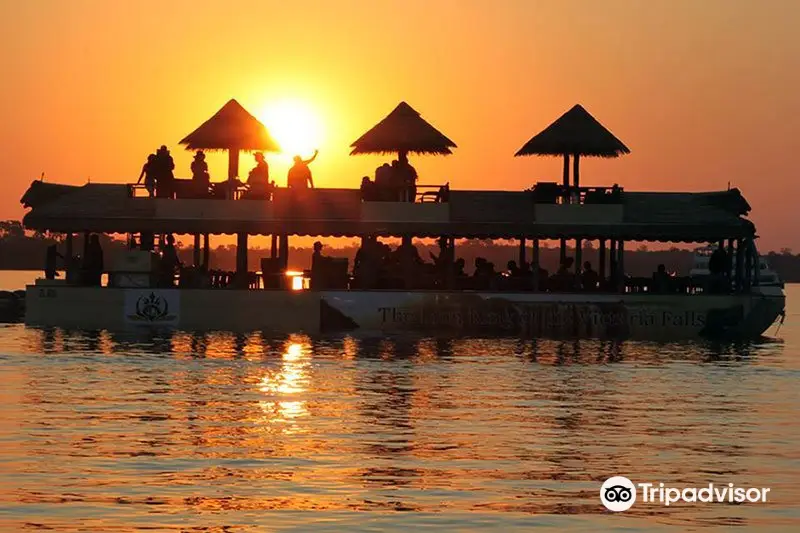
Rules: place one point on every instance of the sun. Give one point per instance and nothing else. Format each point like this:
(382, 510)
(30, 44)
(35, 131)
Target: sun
(295, 126)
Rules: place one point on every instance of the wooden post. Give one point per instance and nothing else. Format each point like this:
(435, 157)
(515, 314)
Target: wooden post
(449, 280)
(601, 260)
(522, 254)
(196, 250)
(729, 262)
(739, 265)
(535, 264)
(241, 260)
(576, 180)
(578, 255)
(206, 251)
(621, 265)
(273, 249)
(284, 252)
(566, 178)
(233, 170)
(563, 254)
(612, 263)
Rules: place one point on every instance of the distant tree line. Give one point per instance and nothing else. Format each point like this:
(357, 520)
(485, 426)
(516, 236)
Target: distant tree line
(25, 250)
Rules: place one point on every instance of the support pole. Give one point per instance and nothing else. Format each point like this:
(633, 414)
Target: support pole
(196, 250)
(739, 265)
(578, 255)
(522, 254)
(563, 253)
(576, 173)
(621, 266)
(233, 170)
(601, 260)
(566, 178)
(612, 263)
(273, 249)
(241, 260)
(284, 252)
(535, 264)
(206, 251)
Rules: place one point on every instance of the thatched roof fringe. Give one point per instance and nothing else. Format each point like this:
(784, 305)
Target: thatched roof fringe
(403, 130)
(232, 127)
(575, 132)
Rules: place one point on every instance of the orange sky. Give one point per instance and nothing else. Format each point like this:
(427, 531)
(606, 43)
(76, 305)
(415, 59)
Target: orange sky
(702, 92)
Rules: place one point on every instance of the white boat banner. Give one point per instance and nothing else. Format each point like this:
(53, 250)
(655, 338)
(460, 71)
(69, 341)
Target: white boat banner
(152, 307)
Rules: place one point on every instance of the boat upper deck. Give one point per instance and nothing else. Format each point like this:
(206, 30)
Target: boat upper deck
(595, 213)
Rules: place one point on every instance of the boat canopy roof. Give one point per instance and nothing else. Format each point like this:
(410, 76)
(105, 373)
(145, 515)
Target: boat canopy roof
(636, 216)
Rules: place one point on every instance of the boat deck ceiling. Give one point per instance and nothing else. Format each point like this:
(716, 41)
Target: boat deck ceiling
(643, 216)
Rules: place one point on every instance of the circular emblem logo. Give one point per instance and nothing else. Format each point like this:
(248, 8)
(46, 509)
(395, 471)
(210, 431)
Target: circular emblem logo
(618, 493)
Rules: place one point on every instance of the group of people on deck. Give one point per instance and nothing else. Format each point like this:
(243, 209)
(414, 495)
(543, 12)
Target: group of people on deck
(393, 183)
(159, 180)
(378, 266)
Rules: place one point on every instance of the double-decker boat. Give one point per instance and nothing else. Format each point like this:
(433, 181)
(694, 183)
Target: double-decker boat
(733, 303)
(621, 307)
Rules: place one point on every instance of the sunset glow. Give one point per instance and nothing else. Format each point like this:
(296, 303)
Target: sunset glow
(699, 102)
(294, 124)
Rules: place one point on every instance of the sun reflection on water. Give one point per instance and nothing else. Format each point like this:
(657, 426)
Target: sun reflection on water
(280, 386)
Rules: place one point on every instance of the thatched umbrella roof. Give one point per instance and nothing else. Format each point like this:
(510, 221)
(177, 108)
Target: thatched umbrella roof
(576, 132)
(234, 129)
(403, 131)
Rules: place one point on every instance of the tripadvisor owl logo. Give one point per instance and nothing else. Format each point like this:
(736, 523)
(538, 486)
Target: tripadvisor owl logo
(618, 493)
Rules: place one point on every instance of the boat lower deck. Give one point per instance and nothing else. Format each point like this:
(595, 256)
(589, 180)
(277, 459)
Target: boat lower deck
(571, 315)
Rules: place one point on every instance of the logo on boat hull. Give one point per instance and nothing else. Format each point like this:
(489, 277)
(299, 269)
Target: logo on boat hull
(151, 307)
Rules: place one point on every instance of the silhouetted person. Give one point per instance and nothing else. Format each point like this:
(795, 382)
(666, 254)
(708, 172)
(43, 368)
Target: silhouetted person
(169, 262)
(661, 279)
(318, 268)
(718, 261)
(383, 182)
(300, 175)
(564, 279)
(149, 173)
(367, 189)
(590, 280)
(50, 262)
(406, 178)
(165, 177)
(200, 176)
(718, 268)
(258, 178)
(93, 262)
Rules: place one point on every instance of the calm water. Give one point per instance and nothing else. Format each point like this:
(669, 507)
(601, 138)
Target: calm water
(220, 432)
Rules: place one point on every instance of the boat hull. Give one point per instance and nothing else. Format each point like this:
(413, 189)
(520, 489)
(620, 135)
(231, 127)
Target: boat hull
(584, 315)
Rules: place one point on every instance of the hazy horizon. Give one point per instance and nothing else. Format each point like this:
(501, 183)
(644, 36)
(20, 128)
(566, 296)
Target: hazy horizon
(704, 94)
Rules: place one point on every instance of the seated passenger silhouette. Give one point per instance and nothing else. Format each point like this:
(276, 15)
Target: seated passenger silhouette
(300, 175)
(590, 280)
